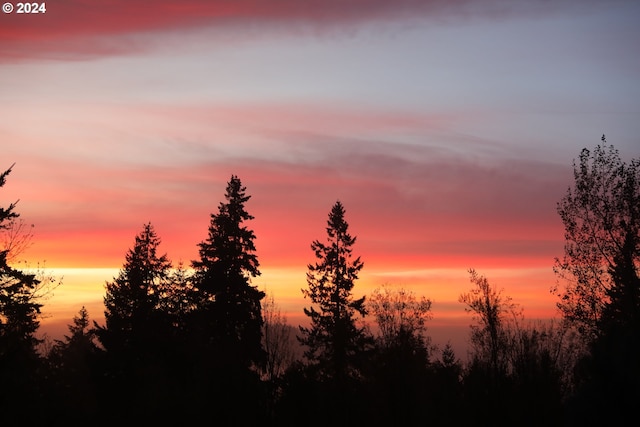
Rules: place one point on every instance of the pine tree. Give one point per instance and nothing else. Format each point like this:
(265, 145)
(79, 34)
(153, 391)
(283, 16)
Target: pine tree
(136, 333)
(225, 327)
(74, 375)
(132, 298)
(230, 304)
(82, 335)
(19, 313)
(334, 341)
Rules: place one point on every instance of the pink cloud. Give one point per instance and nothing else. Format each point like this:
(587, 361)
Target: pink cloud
(425, 200)
(81, 29)
(403, 215)
(84, 28)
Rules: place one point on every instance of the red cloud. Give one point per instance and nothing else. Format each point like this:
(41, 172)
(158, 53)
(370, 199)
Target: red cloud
(88, 28)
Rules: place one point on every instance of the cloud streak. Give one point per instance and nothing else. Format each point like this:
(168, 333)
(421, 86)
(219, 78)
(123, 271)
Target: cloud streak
(84, 29)
(408, 205)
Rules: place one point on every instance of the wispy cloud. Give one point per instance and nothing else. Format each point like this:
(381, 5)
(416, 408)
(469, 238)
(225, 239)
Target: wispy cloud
(409, 202)
(81, 29)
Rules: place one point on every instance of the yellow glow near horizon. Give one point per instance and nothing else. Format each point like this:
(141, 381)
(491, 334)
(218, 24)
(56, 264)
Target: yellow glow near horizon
(85, 287)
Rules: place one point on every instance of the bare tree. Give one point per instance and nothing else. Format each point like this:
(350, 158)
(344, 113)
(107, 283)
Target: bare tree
(491, 308)
(400, 315)
(278, 340)
(17, 237)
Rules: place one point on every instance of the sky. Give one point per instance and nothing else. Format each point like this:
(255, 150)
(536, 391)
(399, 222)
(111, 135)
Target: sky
(447, 129)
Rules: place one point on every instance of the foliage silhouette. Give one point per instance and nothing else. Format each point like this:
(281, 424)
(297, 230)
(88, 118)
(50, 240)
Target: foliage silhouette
(136, 331)
(400, 368)
(401, 318)
(76, 365)
(489, 337)
(601, 216)
(133, 298)
(335, 345)
(513, 376)
(225, 326)
(334, 342)
(281, 346)
(19, 311)
(277, 340)
(200, 345)
(223, 281)
(601, 273)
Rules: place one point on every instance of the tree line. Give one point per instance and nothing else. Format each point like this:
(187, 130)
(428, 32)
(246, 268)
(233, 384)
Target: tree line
(202, 344)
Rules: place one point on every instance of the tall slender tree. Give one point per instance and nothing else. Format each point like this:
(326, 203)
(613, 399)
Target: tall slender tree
(227, 321)
(223, 276)
(334, 341)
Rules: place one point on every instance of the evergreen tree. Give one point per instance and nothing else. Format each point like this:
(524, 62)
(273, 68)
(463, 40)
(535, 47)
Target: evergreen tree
(225, 327)
(74, 362)
(132, 299)
(81, 340)
(136, 333)
(19, 313)
(229, 304)
(334, 342)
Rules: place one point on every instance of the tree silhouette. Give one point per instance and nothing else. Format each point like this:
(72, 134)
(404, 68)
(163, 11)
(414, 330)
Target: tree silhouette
(132, 299)
(401, 318)
(401, 366)
(601, 215)
(223, 280)
(334, 341)
(226, 324)
(277, 339)
(136, 331)
(75, 372)
(486, 380)
(446, 391)
(489, 336)
(601, 273)
(516, 366)
(19, 313)
(80, 342)
(279, 342)
(335, 346)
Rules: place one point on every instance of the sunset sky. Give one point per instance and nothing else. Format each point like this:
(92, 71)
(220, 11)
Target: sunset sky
(446, 128)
